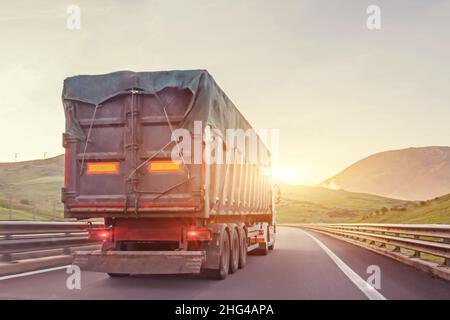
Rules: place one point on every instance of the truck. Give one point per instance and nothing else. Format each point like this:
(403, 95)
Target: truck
(179, 177)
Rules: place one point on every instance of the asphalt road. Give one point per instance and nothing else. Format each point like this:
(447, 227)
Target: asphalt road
(298, 268)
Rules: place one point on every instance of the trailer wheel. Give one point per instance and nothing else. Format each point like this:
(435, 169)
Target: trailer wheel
(224, 263)
(242, 248)
(235, 244)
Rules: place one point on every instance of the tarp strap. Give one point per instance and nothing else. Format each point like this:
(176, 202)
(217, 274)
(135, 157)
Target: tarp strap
(168, 189)
(149, 158)
(88, 138)
(172, 135)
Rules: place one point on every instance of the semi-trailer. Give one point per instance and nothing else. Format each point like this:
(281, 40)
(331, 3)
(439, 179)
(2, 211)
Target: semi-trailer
(180, 178)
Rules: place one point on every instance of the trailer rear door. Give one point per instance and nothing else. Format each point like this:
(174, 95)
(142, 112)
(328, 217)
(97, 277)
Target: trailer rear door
(125, 164)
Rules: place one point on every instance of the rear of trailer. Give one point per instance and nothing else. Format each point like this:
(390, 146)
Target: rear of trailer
(142, 152)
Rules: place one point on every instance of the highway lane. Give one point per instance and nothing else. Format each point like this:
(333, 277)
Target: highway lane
(297, 269)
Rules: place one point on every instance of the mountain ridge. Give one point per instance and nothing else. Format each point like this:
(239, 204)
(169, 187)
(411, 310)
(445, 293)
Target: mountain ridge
(415, 173)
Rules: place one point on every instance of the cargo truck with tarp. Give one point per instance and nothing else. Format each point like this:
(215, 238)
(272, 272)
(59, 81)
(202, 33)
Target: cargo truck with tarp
(149, 152)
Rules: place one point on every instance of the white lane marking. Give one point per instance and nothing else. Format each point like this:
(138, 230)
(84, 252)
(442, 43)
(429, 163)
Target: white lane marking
(362, 285)
(30, 273)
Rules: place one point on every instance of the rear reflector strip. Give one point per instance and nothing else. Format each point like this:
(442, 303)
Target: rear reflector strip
(163, 166)
(102, 168)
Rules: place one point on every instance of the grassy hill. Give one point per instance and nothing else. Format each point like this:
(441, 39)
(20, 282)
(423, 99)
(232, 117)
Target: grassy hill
(432, 211)
(318, 204)
(31, 189)
(304, 204)
(411, 174)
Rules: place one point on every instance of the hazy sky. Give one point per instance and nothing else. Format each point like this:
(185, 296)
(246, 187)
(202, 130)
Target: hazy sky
(336, 90)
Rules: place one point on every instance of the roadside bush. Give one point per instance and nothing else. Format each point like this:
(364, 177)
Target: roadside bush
(25, 202)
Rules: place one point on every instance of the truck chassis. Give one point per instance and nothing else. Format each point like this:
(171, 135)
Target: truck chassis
(216, 251)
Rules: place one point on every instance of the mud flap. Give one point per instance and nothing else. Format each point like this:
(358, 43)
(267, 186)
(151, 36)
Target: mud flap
(212, 248)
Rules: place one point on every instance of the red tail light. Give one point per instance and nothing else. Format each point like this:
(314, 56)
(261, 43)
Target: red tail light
(66, 168)
(99, 235)
(199, 234)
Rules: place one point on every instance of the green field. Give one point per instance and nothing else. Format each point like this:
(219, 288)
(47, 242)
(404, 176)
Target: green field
(31, 189)
(432, 211)
(305, 204)
(317, 204)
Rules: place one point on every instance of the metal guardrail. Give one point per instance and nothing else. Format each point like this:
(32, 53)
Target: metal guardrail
(31, 239)
(419, 239)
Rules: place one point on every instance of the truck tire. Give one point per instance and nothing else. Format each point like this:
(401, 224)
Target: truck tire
(224, 263)
(242, 248)
(234, 252)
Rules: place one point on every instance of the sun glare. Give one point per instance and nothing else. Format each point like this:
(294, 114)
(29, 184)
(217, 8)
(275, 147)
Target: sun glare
(287, 175)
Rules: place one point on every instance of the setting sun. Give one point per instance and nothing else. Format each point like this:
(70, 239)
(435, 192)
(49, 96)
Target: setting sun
(289, 175)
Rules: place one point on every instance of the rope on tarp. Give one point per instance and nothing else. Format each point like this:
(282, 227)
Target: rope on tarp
(88, 138)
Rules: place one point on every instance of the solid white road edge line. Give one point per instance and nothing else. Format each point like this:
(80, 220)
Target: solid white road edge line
(30, 273)
(362, 285)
